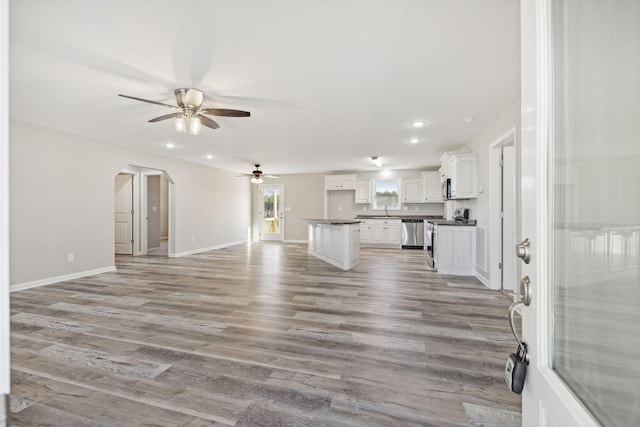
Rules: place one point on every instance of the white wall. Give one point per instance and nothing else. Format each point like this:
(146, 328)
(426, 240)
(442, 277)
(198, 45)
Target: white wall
(303, 197)
(62, 202)
(479, 208)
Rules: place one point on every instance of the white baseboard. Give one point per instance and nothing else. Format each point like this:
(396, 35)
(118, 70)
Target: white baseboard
(484, 280)
(296, 241)
(210, 248)
(49, 281)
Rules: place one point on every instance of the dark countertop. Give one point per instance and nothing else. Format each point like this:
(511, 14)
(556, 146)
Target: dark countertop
(332, 221)
(429, 217)
(450, 222)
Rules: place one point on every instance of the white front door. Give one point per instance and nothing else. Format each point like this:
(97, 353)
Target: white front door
(272, 212)
(124, 214)
(581, 210)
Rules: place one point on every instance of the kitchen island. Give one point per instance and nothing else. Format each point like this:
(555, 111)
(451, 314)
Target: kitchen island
(335, 241)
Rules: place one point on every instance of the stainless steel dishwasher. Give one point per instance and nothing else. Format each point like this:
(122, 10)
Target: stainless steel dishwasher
(412, 233)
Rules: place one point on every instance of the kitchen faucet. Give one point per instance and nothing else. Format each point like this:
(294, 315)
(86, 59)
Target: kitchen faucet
(385, 211)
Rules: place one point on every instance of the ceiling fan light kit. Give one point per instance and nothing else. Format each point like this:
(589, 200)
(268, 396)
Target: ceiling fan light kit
(189, 112)
(257, 176)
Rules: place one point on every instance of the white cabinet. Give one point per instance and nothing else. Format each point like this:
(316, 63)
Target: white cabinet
(444, 166)
(431, 187)
(340, 182)
(365, 232)
(462, 170)
(456, 250)
(412, 190)
(363, 191)
(380, 232)
(337, 244)
(463, 175)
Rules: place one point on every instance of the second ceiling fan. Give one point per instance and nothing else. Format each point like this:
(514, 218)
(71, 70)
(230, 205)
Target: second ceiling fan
(257, 175)
(189, 114)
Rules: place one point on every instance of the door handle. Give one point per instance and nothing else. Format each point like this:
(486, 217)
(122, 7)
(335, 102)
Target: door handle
(512, 309)
(526, 294)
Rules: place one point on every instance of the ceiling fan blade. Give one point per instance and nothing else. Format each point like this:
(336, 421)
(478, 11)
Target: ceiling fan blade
(165, 117)
(271, 176)
(150, 102)
(225, 112)
(208, 122)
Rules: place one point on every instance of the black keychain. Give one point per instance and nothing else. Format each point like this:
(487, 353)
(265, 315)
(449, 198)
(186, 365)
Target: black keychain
(515, 370)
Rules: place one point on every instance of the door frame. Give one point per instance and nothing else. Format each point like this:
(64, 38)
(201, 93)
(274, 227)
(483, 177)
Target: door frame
(140, 198)
(5, 360)
(496, 240)
(546, 399)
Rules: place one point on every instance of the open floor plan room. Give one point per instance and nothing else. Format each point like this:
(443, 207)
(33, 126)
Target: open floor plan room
(262, 334)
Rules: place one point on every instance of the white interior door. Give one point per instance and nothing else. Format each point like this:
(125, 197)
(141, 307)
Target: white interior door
(271, 212)
(581, 210)
(124, 214)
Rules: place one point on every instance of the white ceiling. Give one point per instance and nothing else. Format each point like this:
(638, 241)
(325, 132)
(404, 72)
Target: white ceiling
(328, 83)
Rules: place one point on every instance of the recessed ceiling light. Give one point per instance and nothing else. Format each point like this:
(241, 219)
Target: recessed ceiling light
(169, 145)
(209, 156)
(418, 124)
(414, 140)
(469, 119)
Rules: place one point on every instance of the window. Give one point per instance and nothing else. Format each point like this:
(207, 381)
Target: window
(386, 194)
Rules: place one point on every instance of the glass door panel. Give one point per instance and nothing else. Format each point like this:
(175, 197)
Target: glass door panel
(595, 215)
(272, 199)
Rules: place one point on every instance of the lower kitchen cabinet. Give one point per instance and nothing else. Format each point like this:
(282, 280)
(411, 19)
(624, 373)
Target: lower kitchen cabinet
(380, 232)
(338, 245)
(456, 250)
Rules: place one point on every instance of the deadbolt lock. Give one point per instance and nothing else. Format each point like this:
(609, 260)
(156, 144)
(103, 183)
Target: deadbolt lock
(522, 251)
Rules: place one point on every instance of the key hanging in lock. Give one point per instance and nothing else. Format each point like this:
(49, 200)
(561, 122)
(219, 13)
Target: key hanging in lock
(515, 370)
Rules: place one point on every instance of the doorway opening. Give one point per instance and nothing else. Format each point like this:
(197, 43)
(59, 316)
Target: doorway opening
(503, 212)
(144, 211)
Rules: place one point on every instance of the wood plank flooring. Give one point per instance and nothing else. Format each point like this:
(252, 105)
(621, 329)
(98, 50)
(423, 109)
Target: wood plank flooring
(262, 335)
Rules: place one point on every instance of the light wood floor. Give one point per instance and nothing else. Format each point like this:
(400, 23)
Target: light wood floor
(262, 335)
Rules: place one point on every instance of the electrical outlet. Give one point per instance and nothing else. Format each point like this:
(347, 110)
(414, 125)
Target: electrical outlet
(69, 257)
(193, 239)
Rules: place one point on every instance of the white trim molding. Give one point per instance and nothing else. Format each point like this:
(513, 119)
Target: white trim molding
(209, 248)
(51, 280)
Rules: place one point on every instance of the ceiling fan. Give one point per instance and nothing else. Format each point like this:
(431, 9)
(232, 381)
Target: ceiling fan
(189, 111)
(257, 175)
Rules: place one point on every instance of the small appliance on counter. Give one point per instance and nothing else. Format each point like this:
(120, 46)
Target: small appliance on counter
(462, 215)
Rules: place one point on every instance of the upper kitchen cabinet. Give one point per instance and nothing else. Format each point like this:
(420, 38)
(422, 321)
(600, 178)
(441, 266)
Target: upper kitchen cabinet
(431, 188)
(412, 191)
(363, 191)
(462, 170)
(340, 182)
